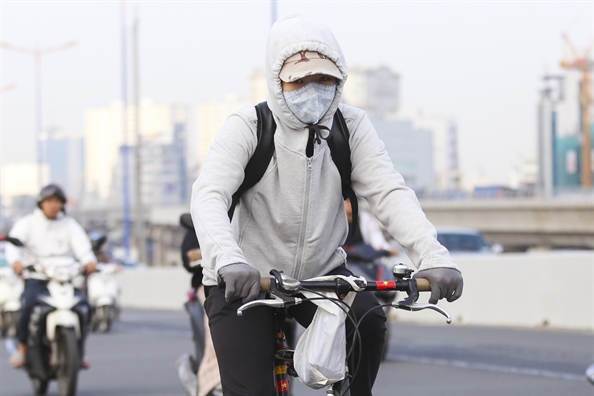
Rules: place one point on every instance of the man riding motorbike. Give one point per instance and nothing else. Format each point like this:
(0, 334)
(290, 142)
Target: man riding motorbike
(47, 232)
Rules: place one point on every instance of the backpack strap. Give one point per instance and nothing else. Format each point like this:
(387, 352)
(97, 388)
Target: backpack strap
(257, 165)
(341, 156)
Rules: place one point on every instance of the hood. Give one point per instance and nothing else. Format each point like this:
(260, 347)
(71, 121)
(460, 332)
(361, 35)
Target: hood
(288, 36)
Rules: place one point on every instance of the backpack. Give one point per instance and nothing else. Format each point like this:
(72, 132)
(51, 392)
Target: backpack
(338, 142)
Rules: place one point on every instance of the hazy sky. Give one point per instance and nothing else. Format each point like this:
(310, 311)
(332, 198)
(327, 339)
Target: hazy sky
(479, 61)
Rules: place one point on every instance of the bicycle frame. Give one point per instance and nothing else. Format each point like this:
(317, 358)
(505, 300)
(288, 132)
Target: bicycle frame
(283, 357)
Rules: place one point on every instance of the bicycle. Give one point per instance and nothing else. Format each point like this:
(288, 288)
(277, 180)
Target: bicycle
(284, 292)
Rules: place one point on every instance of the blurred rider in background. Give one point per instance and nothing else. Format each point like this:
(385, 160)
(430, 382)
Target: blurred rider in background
(47, 232)
(367, 231)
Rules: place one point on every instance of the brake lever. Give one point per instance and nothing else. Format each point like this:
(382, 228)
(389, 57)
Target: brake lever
(275, 302)
(419, 307)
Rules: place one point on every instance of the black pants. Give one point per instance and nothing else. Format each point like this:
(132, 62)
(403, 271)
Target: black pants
(245, 345)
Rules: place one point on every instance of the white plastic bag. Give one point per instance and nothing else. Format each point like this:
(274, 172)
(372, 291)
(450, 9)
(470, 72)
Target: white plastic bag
(320, 355)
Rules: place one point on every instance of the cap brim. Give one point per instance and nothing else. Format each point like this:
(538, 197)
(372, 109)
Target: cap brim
(293, 71)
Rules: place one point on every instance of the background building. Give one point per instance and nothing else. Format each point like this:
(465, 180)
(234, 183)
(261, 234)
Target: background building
(524, 176)
(410, 150)
(21, 179)
(19, 186)
(567, 169)
(376, 90)
(65, 157)
(164, 172)
(211, 117)
(162, 130)
(444, 145)
(559, 134)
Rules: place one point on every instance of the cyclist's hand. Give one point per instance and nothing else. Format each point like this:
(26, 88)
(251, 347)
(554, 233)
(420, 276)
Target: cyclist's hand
(445, 283)
(241, 281)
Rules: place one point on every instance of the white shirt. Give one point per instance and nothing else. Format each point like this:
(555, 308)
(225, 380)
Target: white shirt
(372, 233)
(45, 238)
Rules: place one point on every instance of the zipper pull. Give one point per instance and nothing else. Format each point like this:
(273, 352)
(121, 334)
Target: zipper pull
(309, 166)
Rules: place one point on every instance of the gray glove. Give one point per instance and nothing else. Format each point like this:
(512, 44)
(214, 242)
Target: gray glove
(445, 283)
(241, 281)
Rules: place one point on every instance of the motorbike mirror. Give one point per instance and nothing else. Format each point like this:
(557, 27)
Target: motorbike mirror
(97, 243)
(185, 220)
(14, 241)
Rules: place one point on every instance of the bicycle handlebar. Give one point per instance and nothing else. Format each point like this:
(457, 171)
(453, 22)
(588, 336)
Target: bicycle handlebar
(285, 291)
(423, 285)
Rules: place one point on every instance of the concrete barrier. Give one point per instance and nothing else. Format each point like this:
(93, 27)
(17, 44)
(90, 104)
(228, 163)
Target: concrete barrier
(154, 288)
(553, 289)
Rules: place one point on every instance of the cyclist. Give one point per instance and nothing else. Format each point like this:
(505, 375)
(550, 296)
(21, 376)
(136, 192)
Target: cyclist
(294, 218)
(47, 232)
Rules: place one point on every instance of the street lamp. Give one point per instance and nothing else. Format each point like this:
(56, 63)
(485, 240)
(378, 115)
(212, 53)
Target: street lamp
(37, 54)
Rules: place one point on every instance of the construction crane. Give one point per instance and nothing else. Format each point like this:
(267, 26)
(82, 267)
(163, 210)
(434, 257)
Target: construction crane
(583, 63)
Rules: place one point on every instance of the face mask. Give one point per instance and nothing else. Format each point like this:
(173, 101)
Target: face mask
(310, 102)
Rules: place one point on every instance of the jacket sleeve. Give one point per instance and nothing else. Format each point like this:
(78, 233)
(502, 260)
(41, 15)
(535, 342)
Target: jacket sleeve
(19, 230)
(393, 203)
(221, 175)
(80, 243)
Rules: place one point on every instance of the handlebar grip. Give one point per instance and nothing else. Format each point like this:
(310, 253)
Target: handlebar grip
(423, 284)
(265, 284)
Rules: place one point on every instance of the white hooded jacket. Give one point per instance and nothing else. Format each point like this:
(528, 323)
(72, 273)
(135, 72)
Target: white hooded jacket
(294, 218)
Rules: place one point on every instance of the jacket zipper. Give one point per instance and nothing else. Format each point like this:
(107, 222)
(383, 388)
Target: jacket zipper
(303, 233)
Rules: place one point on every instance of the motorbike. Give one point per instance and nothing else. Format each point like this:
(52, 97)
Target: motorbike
(102, 288)
(11, 288)
(103, 292)
(364, 260)
(58, 327)
(187, 364)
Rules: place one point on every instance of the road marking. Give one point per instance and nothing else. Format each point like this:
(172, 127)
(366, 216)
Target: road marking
(139, 328)
(489, 367)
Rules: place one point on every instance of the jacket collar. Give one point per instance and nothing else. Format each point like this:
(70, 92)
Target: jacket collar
(38, 213)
